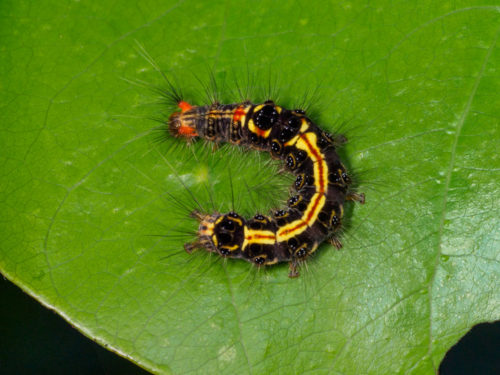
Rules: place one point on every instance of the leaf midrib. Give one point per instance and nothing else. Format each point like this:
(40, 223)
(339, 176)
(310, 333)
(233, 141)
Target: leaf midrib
(458, 130)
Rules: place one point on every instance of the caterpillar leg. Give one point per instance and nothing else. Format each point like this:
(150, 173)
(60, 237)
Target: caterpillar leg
(214, 146)
(190, 246)
(339, 140)
(294, 272)
(356, 197)
(203, 244)
(335, 242)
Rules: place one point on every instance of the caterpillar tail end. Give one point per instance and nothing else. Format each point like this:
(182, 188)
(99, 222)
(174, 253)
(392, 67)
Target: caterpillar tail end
(179, 126)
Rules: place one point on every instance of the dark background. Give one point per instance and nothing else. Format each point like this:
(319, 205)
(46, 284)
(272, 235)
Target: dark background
(35, 340)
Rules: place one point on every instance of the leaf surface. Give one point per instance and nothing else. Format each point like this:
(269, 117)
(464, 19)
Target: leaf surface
(85, 189)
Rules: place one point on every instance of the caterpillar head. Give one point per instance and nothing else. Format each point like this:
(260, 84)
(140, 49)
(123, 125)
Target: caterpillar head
(181, 124)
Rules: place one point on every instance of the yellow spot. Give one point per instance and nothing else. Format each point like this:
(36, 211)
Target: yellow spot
(254, 129)
(230, 248)
(209, 229)
(237, 220)
(292, 141)
(269, 262)
(314, 248)
(304, 126)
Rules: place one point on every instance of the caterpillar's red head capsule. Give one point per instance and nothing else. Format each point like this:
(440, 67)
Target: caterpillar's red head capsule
(182, 124)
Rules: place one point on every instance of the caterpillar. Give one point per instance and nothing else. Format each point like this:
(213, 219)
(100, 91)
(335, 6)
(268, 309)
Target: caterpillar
(322, 184)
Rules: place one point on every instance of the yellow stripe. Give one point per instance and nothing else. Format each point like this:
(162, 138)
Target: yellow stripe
(318, 200)
(256, 237)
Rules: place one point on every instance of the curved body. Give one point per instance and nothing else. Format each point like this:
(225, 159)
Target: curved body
(313, 214)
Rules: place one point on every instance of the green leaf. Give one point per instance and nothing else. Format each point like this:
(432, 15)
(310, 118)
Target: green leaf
(84, 185)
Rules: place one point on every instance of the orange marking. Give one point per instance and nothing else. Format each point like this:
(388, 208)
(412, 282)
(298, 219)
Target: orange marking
(184, 106)
(260, 132)
(187, 131)
(239, 113)
(259, 237)
(298, 226)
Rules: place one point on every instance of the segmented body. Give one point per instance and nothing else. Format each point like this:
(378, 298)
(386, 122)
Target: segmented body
(313, 213)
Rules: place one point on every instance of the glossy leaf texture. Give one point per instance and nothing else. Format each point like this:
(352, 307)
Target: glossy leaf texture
(94, 212)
